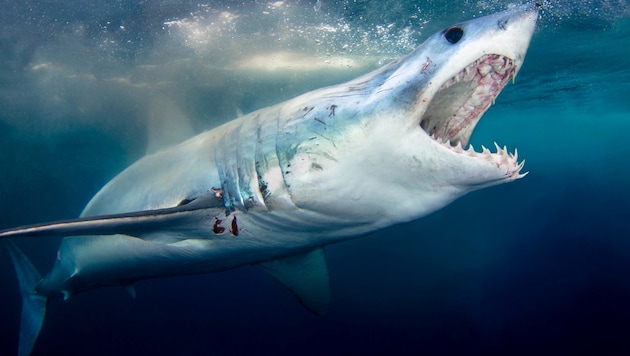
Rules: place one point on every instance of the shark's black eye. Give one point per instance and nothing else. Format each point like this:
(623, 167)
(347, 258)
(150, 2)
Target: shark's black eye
(453, 34)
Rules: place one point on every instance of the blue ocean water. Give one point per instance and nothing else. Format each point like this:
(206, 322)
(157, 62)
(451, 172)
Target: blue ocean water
(541, 265)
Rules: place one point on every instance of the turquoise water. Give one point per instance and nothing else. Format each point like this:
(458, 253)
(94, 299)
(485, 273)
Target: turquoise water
(539, 265)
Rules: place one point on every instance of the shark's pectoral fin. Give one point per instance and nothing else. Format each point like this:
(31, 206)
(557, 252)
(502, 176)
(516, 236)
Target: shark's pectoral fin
(305, 275)
(139, 224)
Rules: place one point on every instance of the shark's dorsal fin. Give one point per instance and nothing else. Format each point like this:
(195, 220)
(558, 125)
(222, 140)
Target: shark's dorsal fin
(305, 275)
(167, 123)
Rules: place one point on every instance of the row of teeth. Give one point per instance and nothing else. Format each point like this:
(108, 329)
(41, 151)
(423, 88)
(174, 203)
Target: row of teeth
(489, 75)
(502, 157)
(497, 68)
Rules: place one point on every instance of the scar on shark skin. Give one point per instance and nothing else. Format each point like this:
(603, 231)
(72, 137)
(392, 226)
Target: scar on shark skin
(332, 110)
(426, 65)
(218, 192)
(217, 228)
(234, 229)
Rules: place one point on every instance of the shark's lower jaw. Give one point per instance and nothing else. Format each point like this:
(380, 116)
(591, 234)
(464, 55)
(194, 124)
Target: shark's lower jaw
(460, 102)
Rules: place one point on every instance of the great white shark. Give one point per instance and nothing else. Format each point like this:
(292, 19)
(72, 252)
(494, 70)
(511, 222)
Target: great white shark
(273, 187)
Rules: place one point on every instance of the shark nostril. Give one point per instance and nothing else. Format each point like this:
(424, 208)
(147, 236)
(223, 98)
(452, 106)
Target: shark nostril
(503, 24)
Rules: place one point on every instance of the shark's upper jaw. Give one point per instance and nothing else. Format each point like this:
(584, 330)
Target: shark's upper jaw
(461, 101)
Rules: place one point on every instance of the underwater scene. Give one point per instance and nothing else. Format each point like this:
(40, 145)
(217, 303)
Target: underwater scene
(537, 266)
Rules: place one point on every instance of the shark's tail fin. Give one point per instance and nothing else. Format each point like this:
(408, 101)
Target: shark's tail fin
(33, 304)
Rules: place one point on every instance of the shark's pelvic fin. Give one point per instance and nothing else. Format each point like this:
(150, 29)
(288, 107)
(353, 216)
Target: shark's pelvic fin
(129, 288)
(33, 304)
(305, 275)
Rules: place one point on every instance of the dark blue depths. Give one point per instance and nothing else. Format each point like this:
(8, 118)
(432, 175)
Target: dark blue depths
(540, 265)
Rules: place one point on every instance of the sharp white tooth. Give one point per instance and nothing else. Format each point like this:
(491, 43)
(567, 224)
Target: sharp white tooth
(505, 151)
(484, 150)
(515, 155)
(514, 74)
(497, 147)
(471, 149)
(484, 69)
(518, 170)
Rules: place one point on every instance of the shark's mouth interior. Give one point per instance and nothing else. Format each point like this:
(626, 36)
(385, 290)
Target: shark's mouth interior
(460, 102)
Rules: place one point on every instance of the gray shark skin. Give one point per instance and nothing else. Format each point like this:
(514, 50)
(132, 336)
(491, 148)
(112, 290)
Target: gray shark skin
(273, 187)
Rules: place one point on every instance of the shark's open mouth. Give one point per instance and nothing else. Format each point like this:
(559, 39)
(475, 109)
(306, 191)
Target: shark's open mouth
(461, 101)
